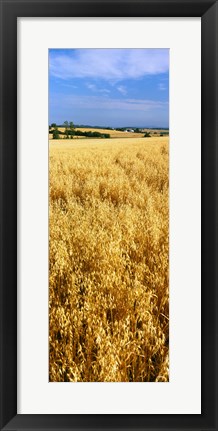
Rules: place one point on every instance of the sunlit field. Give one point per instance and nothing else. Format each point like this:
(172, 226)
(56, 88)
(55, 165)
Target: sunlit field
(113, 133)
(109, 260)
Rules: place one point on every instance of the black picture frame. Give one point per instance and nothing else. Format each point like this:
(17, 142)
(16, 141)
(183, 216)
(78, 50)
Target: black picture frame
(9, 12)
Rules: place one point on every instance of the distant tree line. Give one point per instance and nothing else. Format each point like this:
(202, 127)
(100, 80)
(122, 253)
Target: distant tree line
(70, 132)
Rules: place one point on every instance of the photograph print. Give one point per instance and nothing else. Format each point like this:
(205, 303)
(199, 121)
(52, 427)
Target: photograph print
(109, 215)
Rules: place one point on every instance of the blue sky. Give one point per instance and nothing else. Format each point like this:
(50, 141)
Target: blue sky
(109, 87)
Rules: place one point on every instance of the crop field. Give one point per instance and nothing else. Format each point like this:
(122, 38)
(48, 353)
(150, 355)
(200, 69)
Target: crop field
(114, 133)
(109, 260)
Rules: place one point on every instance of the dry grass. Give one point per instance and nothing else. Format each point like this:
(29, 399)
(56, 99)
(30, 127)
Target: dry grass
(109, 305)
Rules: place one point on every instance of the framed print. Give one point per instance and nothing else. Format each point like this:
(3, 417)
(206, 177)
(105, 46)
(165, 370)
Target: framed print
(108, 215)
(119, 204)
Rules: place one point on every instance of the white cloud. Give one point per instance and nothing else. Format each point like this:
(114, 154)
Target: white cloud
(68, 85)
(107, 103)
(162, 86)
(108, 64)
(91, 87)
(122, 90)
(95, 89)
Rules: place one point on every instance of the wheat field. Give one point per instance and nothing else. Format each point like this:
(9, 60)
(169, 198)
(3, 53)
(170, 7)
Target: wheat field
(109, 260)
